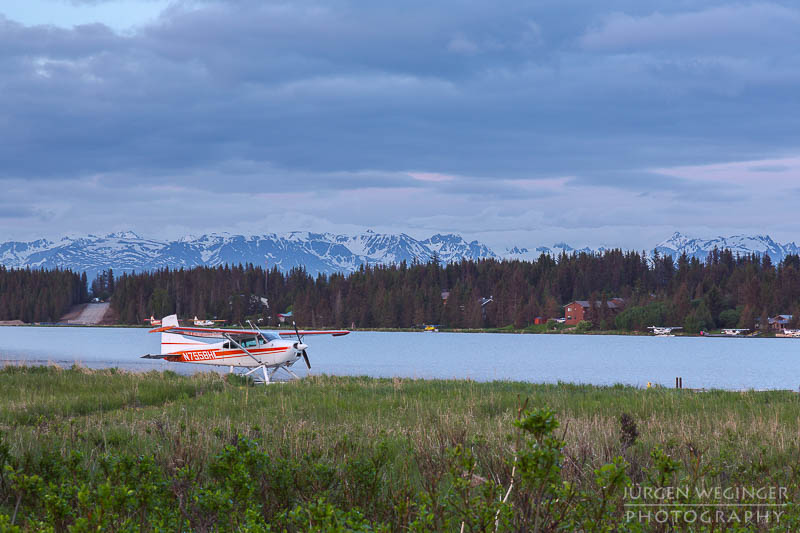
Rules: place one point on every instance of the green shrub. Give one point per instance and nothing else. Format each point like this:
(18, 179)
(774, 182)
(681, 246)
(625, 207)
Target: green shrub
(729, 318)
(428, 470)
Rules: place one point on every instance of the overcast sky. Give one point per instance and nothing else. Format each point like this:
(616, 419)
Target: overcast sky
(599, 123)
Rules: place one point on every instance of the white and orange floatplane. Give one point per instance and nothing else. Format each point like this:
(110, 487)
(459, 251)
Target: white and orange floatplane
(199, 322)
(253, 349)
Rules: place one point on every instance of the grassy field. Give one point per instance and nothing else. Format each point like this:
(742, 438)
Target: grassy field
(379, 453)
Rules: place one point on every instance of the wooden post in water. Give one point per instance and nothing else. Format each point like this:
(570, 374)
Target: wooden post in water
(676, 382)
(681, 382)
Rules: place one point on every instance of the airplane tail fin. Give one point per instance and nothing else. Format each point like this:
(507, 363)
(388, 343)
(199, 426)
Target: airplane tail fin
(172, 342)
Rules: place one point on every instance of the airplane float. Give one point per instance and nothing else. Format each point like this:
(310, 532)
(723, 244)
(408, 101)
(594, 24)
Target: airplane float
(253, 349)
(663, 331)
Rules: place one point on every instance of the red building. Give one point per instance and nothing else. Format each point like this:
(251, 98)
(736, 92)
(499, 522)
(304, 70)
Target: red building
(576, 311)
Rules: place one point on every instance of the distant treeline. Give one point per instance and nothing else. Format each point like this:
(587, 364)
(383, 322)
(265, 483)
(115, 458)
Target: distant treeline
(725, 290)
(39, 295)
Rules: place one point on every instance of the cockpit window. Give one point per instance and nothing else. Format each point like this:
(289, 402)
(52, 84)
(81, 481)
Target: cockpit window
(249, 343)
(252, 342)
(269, 336)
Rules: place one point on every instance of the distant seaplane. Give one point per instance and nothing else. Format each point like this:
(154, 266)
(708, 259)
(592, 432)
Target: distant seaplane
(153, 321)
(198, 322)
(663, 331)
(733, 332)
(252, 349)
(727, 332)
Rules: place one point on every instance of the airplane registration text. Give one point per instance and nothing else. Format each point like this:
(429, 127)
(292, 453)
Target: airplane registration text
(203, 355)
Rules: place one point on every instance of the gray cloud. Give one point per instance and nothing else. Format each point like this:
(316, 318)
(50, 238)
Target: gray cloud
(336, 96)
(15, 211)
(712, 29)
(770, 168)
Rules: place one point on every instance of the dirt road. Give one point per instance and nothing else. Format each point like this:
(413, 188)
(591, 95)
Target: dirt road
(90, 314)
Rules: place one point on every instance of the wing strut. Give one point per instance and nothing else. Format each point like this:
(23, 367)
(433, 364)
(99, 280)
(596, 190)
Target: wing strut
(261, 365)
(242, 348)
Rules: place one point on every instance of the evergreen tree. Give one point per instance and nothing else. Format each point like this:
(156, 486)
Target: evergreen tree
(409, 294)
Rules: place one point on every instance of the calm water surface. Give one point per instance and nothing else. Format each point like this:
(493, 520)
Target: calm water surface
(597, 359)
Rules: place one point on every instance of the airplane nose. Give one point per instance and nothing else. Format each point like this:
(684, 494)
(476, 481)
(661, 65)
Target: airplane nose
(299, 346)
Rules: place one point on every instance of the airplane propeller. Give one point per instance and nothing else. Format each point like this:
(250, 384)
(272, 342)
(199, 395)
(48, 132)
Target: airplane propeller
(300, 343)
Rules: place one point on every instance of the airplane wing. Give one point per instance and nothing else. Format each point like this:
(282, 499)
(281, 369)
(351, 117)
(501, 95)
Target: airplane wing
(218, 333)
(212, 333)
(335, 333)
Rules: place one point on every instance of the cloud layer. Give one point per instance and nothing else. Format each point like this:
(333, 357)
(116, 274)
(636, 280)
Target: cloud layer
(531, 122)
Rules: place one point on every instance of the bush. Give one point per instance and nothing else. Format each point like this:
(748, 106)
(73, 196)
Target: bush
(453, 488)
(639, 318)
(729, 318)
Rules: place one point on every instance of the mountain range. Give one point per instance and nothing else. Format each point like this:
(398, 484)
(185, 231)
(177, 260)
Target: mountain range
(738, 244)
(318, 252)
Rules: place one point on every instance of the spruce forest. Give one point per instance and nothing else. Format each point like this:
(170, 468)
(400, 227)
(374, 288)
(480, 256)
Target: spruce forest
(725, 290)
(39, 295)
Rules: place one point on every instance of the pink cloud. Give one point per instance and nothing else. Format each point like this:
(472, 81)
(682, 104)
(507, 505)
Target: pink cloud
(431, 176)
(778, 171)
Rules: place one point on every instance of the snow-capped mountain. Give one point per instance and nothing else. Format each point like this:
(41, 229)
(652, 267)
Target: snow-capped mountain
(674, 246)
(531, 254)
(762, 245)
(316, 252)
(451, 248)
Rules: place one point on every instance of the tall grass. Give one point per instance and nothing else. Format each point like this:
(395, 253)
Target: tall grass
(187, 421)
(318, 413)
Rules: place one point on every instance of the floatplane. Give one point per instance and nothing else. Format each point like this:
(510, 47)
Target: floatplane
(728, 332)
(253, 349)
(663, 331)
(199, 322)
(734, 332)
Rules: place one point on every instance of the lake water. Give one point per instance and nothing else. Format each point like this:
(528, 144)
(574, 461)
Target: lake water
(597, 359)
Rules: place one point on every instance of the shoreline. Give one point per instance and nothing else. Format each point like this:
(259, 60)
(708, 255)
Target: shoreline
(523, 331)
(222, 372)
